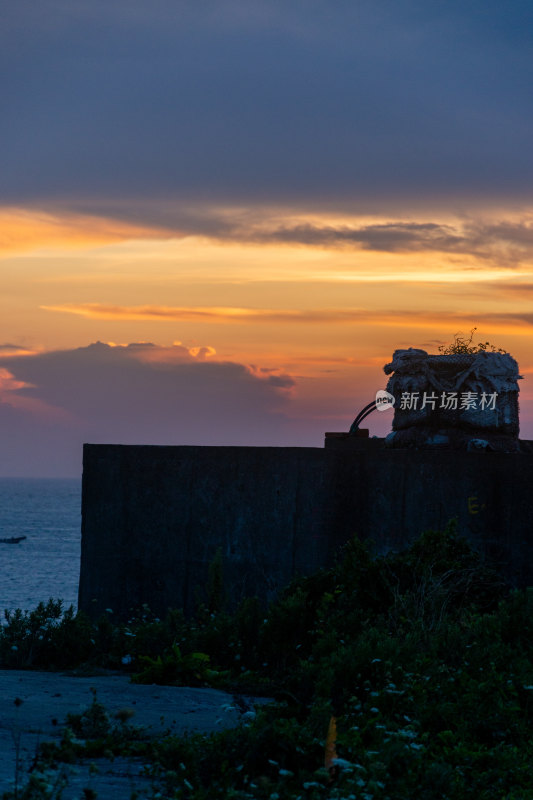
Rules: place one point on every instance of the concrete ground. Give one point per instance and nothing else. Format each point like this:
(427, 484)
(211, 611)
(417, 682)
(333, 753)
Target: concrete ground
(48, 697)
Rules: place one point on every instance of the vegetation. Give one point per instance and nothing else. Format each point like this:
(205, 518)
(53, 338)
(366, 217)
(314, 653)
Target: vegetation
(422, 658)
(461, 344)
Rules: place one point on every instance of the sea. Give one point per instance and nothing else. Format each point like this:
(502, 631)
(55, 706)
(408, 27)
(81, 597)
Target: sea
(47, 562)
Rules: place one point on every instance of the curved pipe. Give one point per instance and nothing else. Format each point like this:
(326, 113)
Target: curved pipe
(360, 417)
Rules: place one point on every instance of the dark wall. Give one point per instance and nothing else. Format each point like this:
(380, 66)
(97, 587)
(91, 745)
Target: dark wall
(154, 517)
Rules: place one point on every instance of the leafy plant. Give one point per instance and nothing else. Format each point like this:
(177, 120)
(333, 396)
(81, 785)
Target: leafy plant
(173, 668)
(461, 344)
(94, 722)
(45, 637)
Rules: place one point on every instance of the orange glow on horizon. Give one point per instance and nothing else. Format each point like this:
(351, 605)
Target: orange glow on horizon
(328, 316)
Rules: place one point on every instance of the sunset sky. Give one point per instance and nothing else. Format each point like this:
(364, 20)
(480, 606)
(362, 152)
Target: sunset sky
(219, 219)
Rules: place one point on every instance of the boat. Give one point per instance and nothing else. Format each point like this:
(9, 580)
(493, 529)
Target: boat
(12, 540)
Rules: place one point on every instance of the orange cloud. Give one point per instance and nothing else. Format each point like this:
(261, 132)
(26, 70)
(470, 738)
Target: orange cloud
(148, 352)
(209, 313)
(23, 230)
(8, 383)
(512, 321)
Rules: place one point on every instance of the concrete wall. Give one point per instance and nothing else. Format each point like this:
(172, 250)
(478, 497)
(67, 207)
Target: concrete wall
(153, 517)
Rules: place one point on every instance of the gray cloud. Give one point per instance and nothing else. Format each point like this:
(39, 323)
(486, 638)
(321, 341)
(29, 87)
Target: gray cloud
(116, 385)
(503, 243)
(363, 105)
(124, 395)
(389, 237)
(7, 347)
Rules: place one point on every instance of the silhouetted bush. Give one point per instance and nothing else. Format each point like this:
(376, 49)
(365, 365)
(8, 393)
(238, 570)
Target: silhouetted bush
(424, 657)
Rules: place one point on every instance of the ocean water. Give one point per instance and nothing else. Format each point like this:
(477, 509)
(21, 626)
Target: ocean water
(47, 563)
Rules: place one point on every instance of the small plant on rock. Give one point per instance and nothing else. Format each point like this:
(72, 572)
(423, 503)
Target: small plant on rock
(461, 345)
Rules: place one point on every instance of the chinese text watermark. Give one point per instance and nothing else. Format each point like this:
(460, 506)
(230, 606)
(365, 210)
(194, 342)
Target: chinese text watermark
(448, 401)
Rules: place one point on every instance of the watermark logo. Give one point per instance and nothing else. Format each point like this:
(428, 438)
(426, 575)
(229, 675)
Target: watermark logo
(384, 400)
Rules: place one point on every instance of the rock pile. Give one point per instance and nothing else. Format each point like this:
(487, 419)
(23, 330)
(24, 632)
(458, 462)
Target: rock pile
(464, 400)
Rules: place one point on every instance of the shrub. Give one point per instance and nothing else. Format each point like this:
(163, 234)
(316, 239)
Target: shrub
(424, 657)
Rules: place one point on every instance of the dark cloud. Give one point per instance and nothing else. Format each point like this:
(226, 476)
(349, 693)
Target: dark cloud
(118, 394)
(507, 242)
(503, 243)
(115, 386)
(281, 381)
(7, 347)
(389, 237)
(362, 104)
